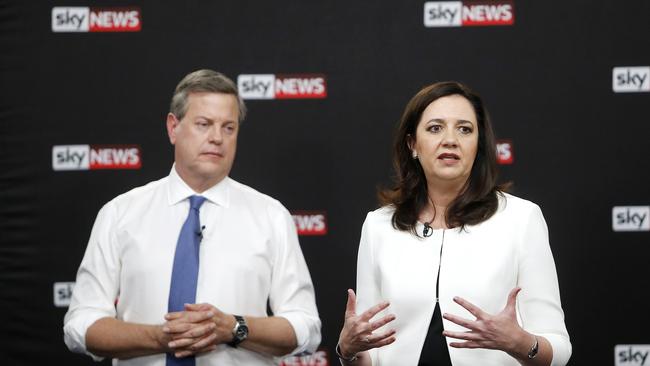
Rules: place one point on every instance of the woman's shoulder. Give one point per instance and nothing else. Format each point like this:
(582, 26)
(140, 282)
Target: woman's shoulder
(384, 213)
(511, 204)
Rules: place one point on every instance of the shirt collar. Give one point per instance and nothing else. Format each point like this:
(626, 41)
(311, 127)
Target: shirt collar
(179, 190)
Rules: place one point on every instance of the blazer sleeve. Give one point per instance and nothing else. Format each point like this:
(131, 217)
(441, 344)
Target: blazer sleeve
(368, 287)
(539, 301)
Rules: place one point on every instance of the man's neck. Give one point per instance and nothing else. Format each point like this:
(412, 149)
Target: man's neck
(197, 184)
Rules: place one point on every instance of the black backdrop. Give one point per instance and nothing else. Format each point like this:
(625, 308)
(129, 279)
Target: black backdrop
(579, 148)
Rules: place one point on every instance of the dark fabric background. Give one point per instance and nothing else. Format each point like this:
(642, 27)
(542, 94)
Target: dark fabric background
(580, 149)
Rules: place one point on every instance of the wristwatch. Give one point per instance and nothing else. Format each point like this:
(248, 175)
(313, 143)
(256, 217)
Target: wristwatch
(338, 353)
(534, 349)
(239, 332)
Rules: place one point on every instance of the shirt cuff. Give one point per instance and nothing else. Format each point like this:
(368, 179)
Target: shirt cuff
(74, 332)
(307, 331)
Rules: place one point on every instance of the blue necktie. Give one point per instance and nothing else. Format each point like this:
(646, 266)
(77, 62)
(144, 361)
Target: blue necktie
(186, 270)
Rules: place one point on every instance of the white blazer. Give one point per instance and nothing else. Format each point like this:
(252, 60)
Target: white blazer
(482, 264)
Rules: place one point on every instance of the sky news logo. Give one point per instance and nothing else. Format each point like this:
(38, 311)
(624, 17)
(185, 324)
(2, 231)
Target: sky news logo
(269, 86)
(631, 355)
(631, 218)
(631, 79)
(319, 358)
(468, 13)
(85, 19)
(92, 157)
(505, 152)
(310, 223)
(63, 294)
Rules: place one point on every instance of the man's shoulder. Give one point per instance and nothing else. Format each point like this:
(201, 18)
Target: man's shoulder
(244, 193)
(143, 192)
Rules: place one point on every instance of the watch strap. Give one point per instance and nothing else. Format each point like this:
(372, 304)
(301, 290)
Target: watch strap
(239, 332)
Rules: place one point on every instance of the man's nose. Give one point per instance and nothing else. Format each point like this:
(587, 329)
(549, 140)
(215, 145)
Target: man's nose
(214, 134)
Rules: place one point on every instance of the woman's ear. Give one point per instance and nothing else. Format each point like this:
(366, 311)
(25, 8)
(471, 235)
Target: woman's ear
(410, 144)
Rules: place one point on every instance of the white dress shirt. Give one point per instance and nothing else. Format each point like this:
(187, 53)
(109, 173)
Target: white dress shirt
(249, 254)
(481, 264)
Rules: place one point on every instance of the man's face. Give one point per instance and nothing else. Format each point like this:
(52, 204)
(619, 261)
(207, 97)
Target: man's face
(205, 139)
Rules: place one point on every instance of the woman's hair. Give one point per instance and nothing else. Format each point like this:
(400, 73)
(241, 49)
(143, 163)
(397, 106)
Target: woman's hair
(477, 200)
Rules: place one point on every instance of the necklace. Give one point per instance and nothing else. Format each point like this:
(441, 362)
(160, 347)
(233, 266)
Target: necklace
(427, 231)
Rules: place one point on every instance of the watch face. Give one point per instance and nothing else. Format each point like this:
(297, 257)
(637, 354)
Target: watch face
(242, 331)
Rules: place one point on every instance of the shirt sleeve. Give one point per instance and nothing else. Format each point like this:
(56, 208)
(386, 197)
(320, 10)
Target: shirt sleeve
(292, 292)
(539, 301)
(368, 293)
(96, 286)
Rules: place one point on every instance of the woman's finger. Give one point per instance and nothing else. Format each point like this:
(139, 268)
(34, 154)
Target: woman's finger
(468, 344)
(475, 310)
(351, 305)
(373, 339)
(370, 313)
(512, 300)
(467, 336)
(381, 322)
(384, 342)
(466, 323)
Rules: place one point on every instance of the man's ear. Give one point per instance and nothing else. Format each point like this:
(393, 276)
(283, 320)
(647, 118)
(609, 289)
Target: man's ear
(172, 123)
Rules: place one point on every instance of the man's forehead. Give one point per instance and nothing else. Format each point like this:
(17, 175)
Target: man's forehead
(208, 101)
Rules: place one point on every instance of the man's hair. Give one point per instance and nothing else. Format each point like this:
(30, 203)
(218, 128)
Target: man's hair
(203, 81)
(477, 200)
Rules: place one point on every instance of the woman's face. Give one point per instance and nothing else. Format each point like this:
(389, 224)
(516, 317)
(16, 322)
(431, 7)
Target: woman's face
(446, 140)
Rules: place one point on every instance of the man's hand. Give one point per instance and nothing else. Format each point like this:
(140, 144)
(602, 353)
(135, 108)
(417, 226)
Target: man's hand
(198, 329)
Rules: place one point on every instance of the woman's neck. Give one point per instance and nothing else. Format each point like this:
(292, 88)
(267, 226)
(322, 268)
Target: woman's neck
(440, 197)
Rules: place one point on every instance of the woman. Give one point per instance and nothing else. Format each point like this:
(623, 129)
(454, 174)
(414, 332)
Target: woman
(450, 250)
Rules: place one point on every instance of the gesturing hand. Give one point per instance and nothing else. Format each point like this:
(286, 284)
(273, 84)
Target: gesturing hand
(357, 333)
(500, 331)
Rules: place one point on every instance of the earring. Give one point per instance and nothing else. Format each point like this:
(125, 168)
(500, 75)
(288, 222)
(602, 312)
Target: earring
(415, 154)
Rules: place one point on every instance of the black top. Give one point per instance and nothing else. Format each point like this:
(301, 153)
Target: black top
(434, 351)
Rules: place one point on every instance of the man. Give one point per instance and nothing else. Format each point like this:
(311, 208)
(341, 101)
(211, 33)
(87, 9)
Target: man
(180, 271)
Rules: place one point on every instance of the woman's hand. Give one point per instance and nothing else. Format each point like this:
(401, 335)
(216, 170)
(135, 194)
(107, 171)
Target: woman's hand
(500, 331)
(357, 333)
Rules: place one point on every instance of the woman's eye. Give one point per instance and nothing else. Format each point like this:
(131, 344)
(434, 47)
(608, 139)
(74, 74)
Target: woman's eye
(435, 128)
(465, 130)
